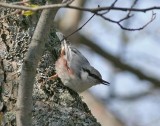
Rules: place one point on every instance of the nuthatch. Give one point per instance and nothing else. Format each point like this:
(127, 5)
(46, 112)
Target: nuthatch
(74, 70)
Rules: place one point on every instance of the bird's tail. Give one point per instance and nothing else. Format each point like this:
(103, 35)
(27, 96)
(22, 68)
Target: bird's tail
(63, 40)
(64, 44)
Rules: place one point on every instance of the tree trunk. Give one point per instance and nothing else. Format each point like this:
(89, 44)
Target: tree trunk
(53, 103)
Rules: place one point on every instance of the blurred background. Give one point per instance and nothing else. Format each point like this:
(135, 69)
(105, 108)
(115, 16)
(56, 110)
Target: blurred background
(129, 60)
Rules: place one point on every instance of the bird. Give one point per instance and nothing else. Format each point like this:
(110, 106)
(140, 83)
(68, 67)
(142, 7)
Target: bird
(74, 69)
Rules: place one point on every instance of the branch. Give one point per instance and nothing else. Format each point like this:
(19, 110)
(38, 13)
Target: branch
(28, 72)
(96, 12)
(98, 9)
(51, 6)
(127, 17)
(67, 5)
(117, 62)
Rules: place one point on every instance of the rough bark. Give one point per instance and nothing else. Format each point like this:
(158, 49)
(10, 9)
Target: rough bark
(53, 103)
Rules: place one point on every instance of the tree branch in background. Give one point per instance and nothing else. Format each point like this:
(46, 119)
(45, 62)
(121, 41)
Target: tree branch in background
(21, 7)
(129, 13)
(67, 5)
(116, 61)
(99, 11)
(28, 72)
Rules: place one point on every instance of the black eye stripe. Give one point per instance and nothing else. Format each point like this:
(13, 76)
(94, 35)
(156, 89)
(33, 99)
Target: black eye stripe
(95, 76)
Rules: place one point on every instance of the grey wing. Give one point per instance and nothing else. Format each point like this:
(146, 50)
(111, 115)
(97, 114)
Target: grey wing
(76, 61)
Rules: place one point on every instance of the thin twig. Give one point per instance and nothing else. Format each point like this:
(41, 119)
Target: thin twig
(80, 27)
(112, 5)
(129, 13)
(129, 29)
